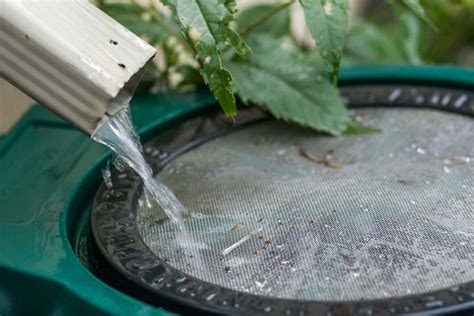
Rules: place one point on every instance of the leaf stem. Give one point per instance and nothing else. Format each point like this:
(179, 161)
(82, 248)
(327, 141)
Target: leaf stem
(264, 17)
(335, 75)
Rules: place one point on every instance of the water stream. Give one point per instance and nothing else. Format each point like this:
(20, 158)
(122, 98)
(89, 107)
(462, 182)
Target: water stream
(118, 134)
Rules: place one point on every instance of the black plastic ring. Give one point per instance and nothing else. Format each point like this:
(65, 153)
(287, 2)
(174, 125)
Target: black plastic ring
(115, 231)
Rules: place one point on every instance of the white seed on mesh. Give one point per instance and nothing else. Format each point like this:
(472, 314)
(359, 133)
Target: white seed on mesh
(421, 151)
(227, 250)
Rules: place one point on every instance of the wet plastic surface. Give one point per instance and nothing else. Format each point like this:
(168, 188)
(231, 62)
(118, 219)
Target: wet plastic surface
(49, 175)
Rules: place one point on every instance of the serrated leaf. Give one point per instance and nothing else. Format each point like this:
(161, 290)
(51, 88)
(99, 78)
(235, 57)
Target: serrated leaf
(327, 22)
(220, 83)
(292, 90)
(210, 19)
(418, 9)
(277, 25)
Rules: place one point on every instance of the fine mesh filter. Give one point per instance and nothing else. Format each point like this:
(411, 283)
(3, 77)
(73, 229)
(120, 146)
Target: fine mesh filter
(393, 217)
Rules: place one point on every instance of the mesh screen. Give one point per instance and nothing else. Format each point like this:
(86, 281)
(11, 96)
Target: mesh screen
(387, 214)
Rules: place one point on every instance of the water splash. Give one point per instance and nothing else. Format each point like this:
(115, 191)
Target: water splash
(119, 135)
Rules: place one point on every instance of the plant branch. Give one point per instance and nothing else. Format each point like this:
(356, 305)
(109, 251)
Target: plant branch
(264, 17)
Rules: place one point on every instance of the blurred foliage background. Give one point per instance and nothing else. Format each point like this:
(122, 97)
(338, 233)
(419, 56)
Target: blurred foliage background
(379, 32)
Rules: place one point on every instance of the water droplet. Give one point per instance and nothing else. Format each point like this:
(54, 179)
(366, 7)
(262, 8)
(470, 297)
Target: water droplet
(211, 296)
(394, 95)
(446, 169)
(435, 99)
(421, 151)
(107, 175)
(434, 304)
(460, 101)
(445, 100)
(356, 274)
(419, 99)
(196, 215)
(281, 152)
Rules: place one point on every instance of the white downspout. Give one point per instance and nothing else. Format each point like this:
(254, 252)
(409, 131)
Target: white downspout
(71, 57)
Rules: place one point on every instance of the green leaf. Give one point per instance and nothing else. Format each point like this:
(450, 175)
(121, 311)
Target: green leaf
(210, 20)
(354, 128)
(220, 82)
(289, 87)
(277, 25)
(327, 22)
(418, 9)
(412, 42)
(371, 44)
(231, 5)
(132, 16)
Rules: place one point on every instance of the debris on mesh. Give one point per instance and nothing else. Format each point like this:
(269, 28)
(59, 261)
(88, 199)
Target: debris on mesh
(322, 161)
(237, 226)
(396, 220)
(227, 250)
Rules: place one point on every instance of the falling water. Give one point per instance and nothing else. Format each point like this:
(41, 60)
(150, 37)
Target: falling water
(119, 135)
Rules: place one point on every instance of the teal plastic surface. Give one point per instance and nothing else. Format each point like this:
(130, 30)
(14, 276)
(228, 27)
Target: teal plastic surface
(49, 173)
